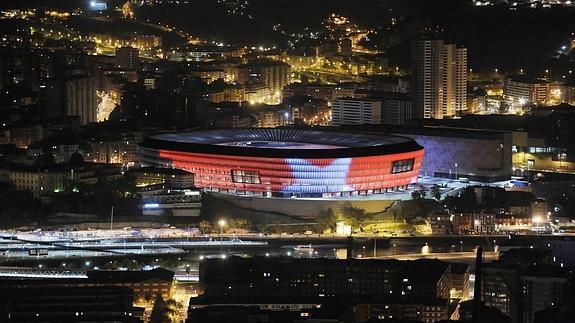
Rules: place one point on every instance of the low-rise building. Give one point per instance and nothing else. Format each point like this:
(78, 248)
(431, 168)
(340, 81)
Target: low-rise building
(440, 223)
(350, 111)
(43, 181)
(145, 284)
(39, 182)
(163, 201)
(171, 177)
(483, 222)
(428, 311)
(459, 281)
(462, 223)
(520, 90)
(204, 309)
(512, 223)
(320, 277)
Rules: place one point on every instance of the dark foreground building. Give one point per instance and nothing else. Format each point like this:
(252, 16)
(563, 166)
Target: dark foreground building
(144, 285)
(71, 304)
(293, 277)
(293, 290)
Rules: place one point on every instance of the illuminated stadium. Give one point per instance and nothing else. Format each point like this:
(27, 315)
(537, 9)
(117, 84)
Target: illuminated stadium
(288, 162)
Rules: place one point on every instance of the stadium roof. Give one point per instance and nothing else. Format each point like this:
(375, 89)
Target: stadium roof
(282, 142)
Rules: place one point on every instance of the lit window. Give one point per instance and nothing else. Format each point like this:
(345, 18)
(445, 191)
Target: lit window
(402, 166)
(248, 177)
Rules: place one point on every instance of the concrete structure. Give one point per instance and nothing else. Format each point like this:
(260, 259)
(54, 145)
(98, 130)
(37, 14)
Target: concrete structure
(355, 111)
(396, 108)
(128, 58)
(264, 210)
(453, 152)
(75, 96)
(439, 79)
(273, 74)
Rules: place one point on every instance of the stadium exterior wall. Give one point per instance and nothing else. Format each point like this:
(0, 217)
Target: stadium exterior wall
(346, 172)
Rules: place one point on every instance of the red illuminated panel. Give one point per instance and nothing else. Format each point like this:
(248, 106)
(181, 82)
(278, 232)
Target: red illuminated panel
(298, 176)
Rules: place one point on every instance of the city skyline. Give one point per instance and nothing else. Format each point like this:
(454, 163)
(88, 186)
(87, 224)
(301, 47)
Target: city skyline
(287, 161)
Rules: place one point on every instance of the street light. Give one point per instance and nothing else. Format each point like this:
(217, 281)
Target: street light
(425, 249)
(461, 246)
(455, 171)
(221, 224)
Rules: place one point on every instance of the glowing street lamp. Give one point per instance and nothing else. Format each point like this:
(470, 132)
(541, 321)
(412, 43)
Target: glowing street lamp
(425, 249)
(221, 223)
(456, 171)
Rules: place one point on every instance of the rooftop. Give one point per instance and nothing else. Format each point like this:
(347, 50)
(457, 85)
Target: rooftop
(282, 142)
(526, 79)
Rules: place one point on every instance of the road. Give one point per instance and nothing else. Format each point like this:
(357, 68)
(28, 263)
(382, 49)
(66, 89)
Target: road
(488, 256)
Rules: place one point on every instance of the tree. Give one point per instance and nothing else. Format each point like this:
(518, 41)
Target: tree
(423, 193)
(327, 219)
(160, 312)
(76, 160)
(420, 194)
(175, 308)
(241, 223)
(464, 202)
(436, 192)
(19, 204)
(353, 216)
(205, 227)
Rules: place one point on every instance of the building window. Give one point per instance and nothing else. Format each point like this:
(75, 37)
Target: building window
(243, 176)
(402, 166)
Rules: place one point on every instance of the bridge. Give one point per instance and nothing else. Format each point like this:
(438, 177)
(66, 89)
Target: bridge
(22, 272)
(38, 273)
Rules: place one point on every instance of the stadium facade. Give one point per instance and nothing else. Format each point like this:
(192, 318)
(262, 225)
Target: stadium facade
(282, 162)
